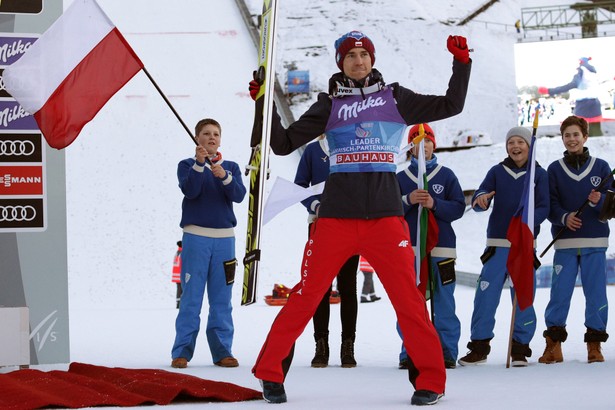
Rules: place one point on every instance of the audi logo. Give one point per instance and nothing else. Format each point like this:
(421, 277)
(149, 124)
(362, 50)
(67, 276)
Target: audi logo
(17, 213)
(16, 148)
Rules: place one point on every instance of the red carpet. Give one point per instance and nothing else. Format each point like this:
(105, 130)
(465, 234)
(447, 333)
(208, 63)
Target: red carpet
(85, 385)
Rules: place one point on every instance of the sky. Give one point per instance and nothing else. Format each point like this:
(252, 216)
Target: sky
(123, 203)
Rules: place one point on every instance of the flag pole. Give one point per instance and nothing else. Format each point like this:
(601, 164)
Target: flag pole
(514, 306)
(578, 212)
(512, 328)
(164, 97)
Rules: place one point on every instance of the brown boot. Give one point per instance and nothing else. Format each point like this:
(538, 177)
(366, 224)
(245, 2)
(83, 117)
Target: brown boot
(593, 352)
(555, 336)
(593, 338)
(553, 352)
(321, 356)
(347, 353)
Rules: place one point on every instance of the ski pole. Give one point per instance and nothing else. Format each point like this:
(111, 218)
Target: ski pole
(578, 212)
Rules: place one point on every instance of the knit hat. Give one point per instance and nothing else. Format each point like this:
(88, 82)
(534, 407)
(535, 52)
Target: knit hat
(585, 62)
(522, 132)
(429, 134)
(352, 40)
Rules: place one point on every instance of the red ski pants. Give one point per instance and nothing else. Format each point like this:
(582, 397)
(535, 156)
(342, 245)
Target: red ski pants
(385, 243)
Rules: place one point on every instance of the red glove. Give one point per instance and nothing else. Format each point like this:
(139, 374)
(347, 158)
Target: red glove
(543, 90)
(254, 88)
(458, 46)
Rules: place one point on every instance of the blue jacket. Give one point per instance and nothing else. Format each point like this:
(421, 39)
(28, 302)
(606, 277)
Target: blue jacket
(507, 182)
(313, 169)
(449, 202)
(208, 200)
(569, 188)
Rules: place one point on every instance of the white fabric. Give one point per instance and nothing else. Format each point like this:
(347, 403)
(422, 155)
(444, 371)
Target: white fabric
(284, 194)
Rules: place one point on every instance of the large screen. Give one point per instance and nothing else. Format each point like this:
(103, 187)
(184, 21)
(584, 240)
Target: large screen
(554, 64)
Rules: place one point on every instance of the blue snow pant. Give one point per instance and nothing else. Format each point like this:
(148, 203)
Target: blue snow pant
(446, 321)
(203, 266)
(591, 263)
(487, 298)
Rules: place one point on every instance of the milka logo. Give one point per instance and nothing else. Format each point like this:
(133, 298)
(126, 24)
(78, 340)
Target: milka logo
(9, 115)
(10, 50)
(352, 111)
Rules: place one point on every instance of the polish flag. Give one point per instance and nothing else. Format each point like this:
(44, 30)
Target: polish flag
(520, 262)
(427, 230)
(71, 72)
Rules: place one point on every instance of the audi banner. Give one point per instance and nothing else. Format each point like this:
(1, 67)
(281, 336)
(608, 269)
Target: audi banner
(21, 213)
(22, 182)
(20, 148)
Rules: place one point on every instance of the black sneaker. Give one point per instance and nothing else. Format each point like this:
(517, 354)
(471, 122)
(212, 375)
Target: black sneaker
(450, 363)
(403, 364)
(425, 398)
(519, 361)
(273, 392)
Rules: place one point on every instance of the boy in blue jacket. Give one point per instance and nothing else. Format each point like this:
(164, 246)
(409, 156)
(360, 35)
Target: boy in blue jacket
(444, 197)
(210, 186)
(507, 180)
(581, 248)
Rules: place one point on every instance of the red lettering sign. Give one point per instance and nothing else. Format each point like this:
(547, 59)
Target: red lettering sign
(21, 180)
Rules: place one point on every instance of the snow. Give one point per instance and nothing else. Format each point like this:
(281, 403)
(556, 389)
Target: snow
(123, 203)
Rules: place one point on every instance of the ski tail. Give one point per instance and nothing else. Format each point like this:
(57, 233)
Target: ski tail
(259, 143)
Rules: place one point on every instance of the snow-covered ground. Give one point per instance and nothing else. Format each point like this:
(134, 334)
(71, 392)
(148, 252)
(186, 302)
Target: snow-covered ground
(124, 204)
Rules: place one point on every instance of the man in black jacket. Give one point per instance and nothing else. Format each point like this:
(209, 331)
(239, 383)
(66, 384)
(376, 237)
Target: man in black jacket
(361, 213)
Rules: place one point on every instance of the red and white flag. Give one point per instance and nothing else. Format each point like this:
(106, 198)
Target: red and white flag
(71, 72)
(520, 262)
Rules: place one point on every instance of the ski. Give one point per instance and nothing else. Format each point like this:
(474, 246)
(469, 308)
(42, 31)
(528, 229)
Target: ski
(257, 168)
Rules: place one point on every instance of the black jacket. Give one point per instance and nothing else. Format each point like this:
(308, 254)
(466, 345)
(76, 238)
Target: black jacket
(376, 194)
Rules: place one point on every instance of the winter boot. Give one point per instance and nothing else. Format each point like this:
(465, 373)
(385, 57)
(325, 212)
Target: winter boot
(425, 398)
(321, 357)
(479, 350)
(347, 352)
(519, 353)
(554, 336)
(273, 392)
(593, 338)
(449, 363)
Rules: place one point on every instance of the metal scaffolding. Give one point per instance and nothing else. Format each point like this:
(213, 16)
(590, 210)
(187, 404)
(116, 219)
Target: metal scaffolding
(580, 20)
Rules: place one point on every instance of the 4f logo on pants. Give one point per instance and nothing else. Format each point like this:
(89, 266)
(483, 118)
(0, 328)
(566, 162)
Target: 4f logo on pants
(404, 243)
